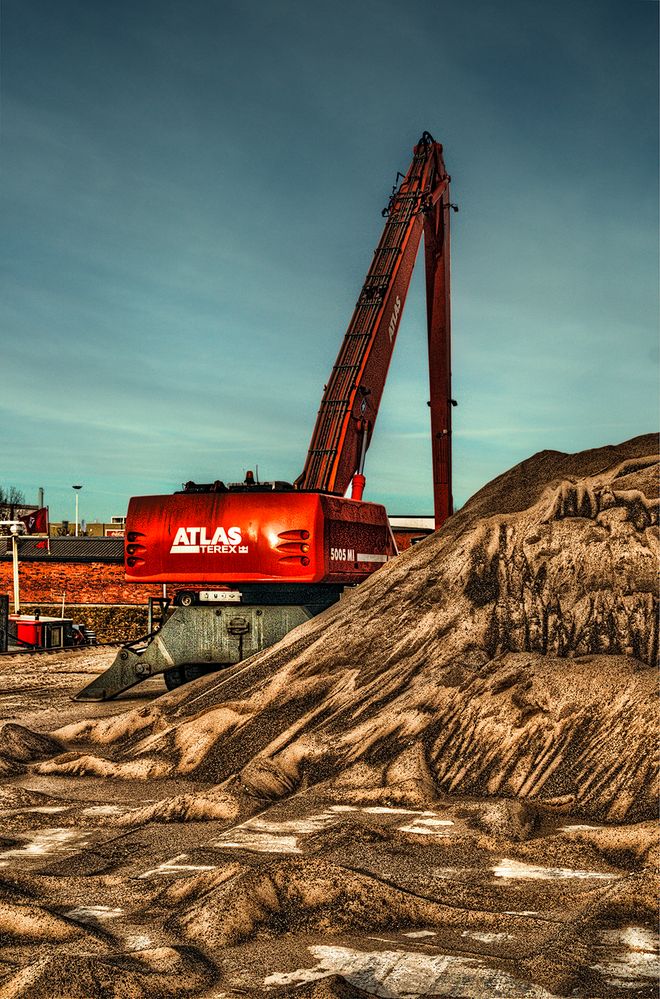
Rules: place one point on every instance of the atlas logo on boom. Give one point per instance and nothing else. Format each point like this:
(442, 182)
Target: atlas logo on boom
(195, 541)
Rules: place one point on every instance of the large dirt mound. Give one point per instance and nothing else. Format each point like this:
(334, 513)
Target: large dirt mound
(481, 661)
(444, 785)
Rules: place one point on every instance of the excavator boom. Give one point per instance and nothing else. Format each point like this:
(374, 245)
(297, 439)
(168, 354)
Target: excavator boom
(351, 399)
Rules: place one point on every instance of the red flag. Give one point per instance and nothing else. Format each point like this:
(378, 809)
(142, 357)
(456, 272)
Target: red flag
(36, 522)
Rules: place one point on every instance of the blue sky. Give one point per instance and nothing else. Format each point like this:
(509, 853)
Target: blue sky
(191, 195)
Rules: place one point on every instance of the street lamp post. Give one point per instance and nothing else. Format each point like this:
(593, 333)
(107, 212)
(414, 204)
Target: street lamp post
(77, 489)
(14, 553)
(16, 527)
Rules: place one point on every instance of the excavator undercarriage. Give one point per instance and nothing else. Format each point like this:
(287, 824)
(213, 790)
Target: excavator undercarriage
(192, 641)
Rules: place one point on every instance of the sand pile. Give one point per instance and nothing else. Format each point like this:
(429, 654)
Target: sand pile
(163, 971)
(19, 745)
(443, 785)
(481, 661)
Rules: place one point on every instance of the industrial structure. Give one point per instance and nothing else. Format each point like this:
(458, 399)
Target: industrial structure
(272, 554)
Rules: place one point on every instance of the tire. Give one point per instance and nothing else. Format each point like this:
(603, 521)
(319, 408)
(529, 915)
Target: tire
(174, 677)
(191, 671)
(185, 599)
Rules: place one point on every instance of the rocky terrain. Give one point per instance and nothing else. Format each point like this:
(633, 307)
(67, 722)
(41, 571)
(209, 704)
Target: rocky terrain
(444, 785)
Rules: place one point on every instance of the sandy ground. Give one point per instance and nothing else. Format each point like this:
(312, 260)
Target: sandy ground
(37, 689)
(457, 898)
(405, 798)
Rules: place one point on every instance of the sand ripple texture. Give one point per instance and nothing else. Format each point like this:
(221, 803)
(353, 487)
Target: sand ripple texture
(444, 785)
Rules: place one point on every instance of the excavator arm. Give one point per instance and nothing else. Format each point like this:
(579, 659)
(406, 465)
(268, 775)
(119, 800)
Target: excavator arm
(351, 399)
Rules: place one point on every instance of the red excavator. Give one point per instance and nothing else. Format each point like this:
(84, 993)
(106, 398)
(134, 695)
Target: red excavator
(273, 554)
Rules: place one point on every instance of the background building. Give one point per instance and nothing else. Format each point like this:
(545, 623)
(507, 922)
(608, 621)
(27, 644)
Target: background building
(114, 528)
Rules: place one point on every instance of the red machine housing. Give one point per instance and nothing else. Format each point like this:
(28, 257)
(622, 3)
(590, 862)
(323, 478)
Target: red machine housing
(255, 537)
